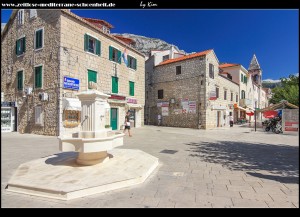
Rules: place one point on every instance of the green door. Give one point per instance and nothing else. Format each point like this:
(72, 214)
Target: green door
(114, 118)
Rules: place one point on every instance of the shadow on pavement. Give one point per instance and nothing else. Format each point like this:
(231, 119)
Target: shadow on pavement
(280, 160)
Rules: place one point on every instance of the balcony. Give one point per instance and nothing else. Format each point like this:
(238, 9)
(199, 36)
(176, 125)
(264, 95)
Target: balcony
(245, 102)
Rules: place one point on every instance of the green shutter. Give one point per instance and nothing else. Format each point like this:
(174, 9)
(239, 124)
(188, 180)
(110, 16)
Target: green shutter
(38, 39)
(98, 47)
(17, 47)
(115, 85)
(111, 53)
(41, 38)
(38, 77)
(131, 88)
(242, 79)
(86, 42)
(24, 45)
(245, 78)
(20, 80)
(134, 63)
(92, 76)
(119, 56)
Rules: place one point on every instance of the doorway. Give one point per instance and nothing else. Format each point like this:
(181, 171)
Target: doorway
(218, 119)
(114, 118)
(132, 116)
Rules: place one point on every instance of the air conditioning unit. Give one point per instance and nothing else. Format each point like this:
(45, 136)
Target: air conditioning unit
(43, 96)
(28, 90)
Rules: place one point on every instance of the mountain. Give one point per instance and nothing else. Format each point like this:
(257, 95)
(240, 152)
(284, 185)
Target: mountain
(146, 44)
(269, 83)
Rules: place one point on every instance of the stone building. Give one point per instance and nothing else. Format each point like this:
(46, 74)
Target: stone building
(188, 91)
(50, 55)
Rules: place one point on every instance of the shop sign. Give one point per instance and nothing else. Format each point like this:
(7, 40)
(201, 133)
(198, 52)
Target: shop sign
(71, 83)
(131, 100)
(192, 107)
(117, 97)
(218, 107)
(212, 95)
(8, 104)
(165, 111)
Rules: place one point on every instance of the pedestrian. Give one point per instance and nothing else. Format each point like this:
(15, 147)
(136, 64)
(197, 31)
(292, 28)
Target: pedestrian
(127, 123)
(159, 120)
(231, 120)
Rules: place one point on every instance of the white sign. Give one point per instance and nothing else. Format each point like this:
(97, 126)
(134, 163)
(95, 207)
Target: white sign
(185, 106)
(159, 104)
(218, 107)
(192, 107)
(165, 104)
(165, 111)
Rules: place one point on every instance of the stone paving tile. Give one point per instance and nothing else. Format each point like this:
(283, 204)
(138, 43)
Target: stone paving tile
(151, 201)
(292, 186)
(280, 205)
(268, 190)
(256, 196)
(189, 204)
(163, 203)
(226, 193)
(221, 181)
(290, 192)
(248, 203)
(219, 202)
(240, 188)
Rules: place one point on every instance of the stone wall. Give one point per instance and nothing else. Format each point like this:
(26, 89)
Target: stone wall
(48, 57)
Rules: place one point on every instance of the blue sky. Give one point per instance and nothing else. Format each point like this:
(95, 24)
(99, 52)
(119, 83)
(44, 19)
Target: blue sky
(235, 35)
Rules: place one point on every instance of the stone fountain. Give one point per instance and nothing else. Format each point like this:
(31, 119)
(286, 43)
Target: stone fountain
(94, 140)
(84, 168)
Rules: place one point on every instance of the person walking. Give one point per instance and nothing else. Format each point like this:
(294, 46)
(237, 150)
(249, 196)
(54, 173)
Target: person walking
(127, 124)
(231, 120)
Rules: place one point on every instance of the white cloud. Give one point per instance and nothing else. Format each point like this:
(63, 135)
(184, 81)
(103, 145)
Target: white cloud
(297, 74)
(271, 81)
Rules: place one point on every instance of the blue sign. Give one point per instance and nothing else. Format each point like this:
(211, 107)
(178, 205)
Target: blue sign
(71, 83)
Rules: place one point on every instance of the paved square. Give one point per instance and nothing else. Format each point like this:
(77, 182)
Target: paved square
(234, 167)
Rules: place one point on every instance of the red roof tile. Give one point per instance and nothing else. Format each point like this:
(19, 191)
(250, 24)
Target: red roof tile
(228, 65)
(97, 21)
(202, 53)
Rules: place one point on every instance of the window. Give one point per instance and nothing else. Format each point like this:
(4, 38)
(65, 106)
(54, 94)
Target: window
(160, 94)
(20, 18)
(231, 96)
(39, 38)
(225, 94)
(242, 78)
(32, 13)
(114, 54)
(201, 82)
(211, 71)
(20, 46)
(243, 94)
(92, 45)
(178, 70)
(237, 98)
(165, 57)
(131, 88)
(38, 115)
(115, 84)
(20, 80)
(38, 77)
(245, 80)
(217, 92)
(92, 78)
(131, 62)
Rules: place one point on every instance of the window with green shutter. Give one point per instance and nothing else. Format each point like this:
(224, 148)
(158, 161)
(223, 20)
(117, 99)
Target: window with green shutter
(38, 77)
(245, 80)
(39, 39)
(92, 77)
(242, 78)
(92, 45)
(131, 88)
(20, 46)
(20, 80)
(115, 85)
(131, 62)
(114, 54)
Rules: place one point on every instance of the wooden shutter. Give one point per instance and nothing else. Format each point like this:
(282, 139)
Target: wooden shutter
(242, 79)
(20, 80)
(24, 45)
(38, 77)
(134, 63)
(86, 42)
(111, 53)
(131, 88)
(17, 42)
(119, 57)
(115, 85)
(98, 47)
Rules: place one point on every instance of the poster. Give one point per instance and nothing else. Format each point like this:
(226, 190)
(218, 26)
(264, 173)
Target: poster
(177, 111)
(165, 111)
(290, 119)
(212, 95)
(165, 104)
(185, 106)
(159, 104)
(192, 107)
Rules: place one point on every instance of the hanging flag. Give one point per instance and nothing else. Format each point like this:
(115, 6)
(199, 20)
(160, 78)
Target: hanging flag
(124, 55)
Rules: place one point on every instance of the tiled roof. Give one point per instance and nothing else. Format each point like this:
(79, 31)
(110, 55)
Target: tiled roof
(228, 65)
(102, 22)
(202, 53)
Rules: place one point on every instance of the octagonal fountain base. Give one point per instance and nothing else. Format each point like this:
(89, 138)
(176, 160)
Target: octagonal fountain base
(60, 177)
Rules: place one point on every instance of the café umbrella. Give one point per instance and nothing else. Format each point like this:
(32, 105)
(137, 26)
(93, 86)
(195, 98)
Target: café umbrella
(250, 113)
(270, 114)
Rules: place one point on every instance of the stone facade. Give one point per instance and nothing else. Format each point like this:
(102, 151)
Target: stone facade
(193, 85)
(62, 55)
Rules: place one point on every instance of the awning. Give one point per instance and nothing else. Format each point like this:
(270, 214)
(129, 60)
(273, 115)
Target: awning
(137, 106)
(241, 108)
(270, 114)
(71, 104)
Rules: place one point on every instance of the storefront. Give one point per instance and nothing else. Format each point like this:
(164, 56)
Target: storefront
(135, 112)
(8, 117)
